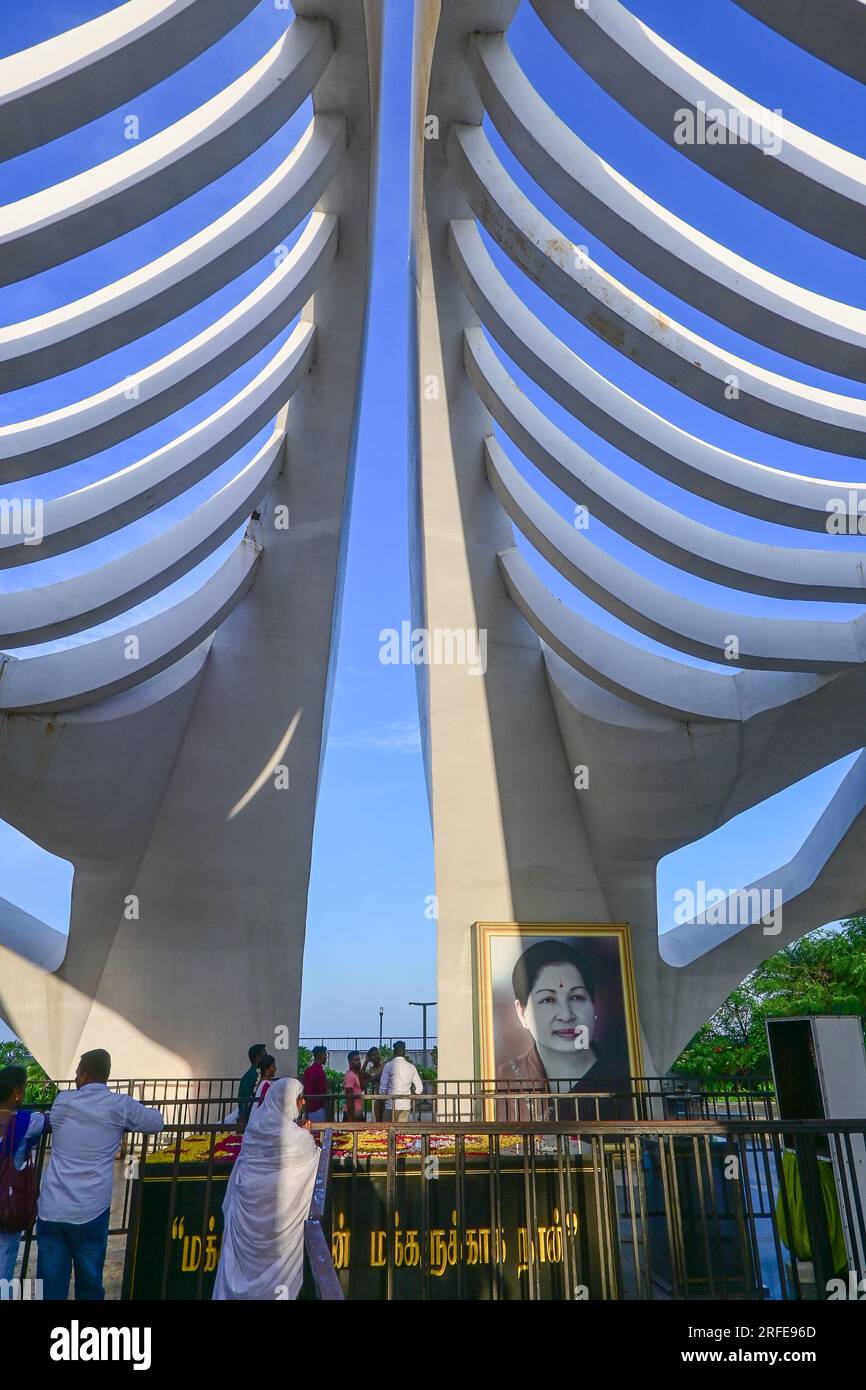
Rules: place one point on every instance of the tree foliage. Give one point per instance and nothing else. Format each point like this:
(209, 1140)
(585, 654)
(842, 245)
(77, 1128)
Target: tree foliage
(40, 1088)
(822, 973)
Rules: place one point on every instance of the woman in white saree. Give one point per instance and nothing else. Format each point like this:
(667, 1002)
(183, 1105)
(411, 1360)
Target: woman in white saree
(267, 1200)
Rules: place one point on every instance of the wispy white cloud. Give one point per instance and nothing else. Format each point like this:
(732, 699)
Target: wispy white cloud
(397, 737)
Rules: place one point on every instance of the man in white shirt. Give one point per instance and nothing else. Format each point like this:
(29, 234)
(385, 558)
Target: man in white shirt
(398, 1081)
(75, 1200)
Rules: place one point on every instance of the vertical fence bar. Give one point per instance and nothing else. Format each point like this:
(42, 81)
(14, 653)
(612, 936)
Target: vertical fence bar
(814, 1210)
(390, 1211)
(561, 1146)
(172, 1210)
(714, 1210)
(673, 1245)
(677, 1212)
(762, 1163)
(460, 1205)
(425, 1215)
(596, 1161)
(206, 1216)
(495, 1216)
(644, 1215)
(853, 1203)
(702, 1205)
(783, 1196)
(749, 1247)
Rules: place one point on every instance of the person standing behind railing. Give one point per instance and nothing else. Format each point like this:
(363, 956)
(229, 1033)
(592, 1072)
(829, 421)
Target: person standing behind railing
(267, 1201)
(267, 1072)
(20, 1130)
(247, 1084)
(399, 1081)
(353, 1089)
(87, 1125)
(315, 1084)
(371, 1074)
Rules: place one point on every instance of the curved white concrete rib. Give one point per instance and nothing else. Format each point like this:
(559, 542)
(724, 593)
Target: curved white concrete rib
(252, 687)
(709, 471)
(834, 30)
(765, 644)
(812, 183)
(688, 747)
(129, 308)
(97, 669)
(43, 614)
(89, 426)
(741, 765)
(30, 937)
(764, 399)
(63, 83)
(690, 940)
(108, 505)
(655, 682)
(752, 566)
(104, 202)
(827, 333)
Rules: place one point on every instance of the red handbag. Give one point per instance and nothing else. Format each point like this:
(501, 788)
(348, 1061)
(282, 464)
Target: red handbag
(18, 1188)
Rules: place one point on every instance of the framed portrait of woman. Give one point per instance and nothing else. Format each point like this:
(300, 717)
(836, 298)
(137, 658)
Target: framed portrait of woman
(556, 1011)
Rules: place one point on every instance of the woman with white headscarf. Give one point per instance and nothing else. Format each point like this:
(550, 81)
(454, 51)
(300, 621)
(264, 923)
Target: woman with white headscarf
(267, 1200)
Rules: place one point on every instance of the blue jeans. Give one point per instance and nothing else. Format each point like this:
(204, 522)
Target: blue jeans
(9, 1242)
(64, 1246)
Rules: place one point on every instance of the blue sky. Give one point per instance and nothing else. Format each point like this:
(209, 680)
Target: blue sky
(370, 939)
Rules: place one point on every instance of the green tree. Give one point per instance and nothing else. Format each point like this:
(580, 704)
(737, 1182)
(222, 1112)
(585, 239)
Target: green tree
(822, 973)
(40, 1088)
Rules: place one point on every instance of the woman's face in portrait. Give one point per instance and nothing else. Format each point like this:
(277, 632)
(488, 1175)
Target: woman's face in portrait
(559, 1004)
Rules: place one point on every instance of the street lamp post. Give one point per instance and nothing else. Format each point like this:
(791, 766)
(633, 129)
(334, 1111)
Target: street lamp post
(381, 1011)
(424, 1005)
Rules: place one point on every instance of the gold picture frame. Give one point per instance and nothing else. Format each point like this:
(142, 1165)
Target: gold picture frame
(486, 933)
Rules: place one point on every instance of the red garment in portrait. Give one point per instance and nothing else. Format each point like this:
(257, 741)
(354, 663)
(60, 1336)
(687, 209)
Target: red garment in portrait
(526, 1074)
(521, 1074)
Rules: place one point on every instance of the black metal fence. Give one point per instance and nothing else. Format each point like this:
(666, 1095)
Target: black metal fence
(201, 1106)
(204, 1092)
(211, 1099)
(360, 1042)
(677, 1209)
(651, 1209)
(637, 1098)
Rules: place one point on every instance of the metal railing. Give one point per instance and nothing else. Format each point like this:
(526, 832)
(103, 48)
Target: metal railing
(639, 1097)
(648, 1210)
(320, 1277)
(362, 1043)
(203, 1102)
(162, 1090)
(210, 1099)
(637, 1209)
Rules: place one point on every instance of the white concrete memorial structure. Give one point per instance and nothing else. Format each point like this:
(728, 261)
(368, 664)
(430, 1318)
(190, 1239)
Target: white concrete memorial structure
(175, 760)
(581, 759)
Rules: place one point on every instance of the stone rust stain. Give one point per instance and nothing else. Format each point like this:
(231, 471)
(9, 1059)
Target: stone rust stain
(611, 332)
